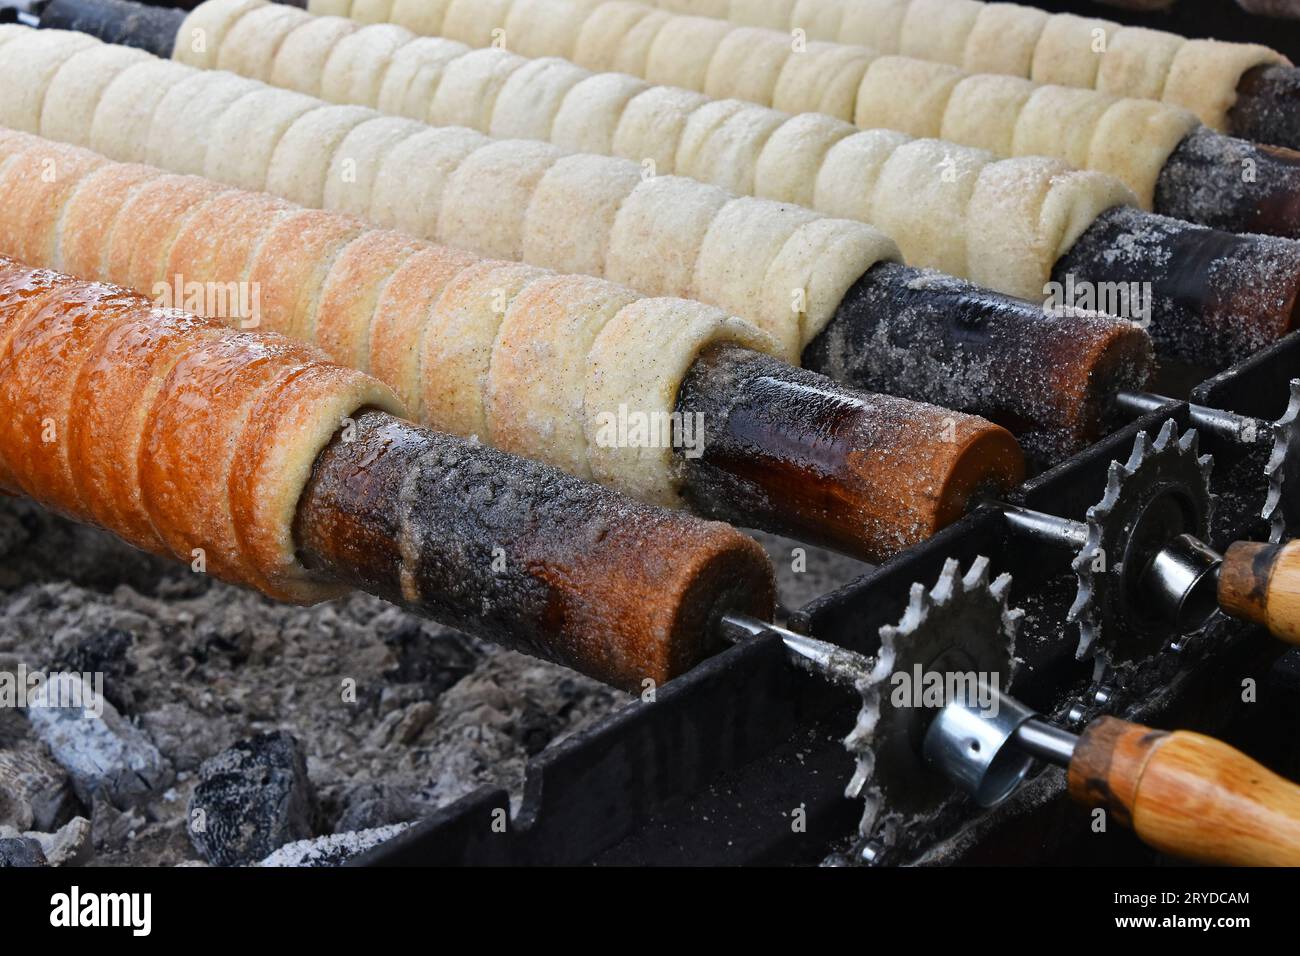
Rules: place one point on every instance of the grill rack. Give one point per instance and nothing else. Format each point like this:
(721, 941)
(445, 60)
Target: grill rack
(711, 771)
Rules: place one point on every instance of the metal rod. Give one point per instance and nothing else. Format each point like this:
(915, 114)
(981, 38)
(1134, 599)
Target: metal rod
(1062, 532)
(837, 664)
(1241, 429)
(1046, 742)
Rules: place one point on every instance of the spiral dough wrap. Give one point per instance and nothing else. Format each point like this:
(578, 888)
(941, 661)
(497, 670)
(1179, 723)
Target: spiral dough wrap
(1130, 139)
(1062, 48)
(1000, 223)
(663, 236)
(181, 436)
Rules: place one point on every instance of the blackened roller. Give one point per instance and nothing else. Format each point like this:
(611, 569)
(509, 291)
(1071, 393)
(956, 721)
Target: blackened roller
(525, 555)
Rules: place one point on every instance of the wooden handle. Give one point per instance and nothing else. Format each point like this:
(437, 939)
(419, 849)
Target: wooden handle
(1188, 795)
(1261, 583)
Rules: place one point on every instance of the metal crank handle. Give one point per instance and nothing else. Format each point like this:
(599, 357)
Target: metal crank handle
(1182, 793)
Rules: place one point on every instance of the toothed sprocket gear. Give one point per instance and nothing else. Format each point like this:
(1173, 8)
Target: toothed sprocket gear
(1282, 504)
(1162, 491)
(962, 624)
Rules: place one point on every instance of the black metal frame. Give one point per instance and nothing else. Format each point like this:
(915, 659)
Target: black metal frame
(711, 771)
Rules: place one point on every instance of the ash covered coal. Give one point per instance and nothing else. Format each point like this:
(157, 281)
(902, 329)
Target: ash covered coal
(395, 716)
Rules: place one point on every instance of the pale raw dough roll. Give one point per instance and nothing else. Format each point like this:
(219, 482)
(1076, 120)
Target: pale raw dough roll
(739, 247)
(250, 46)
(544, 27)
(479, 23)
(193, 105)
(1059, 121)
(816, 18)
(818, 265)
(722, 142)
(125, 114)
(788, 166)
(637, 364)
(658, 233)
(470, 84)
(486, 200)
(653, 124)
(1002, 40)
(748, 65)
(371, 11)
(198, 42)
(1037, 207)
(604, 31)
(243, 140)
(1134, 139)
(589, 116)
(404, 314)
(354, 72)
(823, 79)
(572, 211)
(538, 374)
(420, 16)
(1070, 50)
(1205, 73)
(682, 50)
(1137, 62)
(847, 181)
(300, 62)
(301, 164)
(456, 354)
(75, 91)
(938, 29)
(875, 24)
(529, 101)
(354, 169)
(412, 178)
(424, 59)
(11, 31)
(747, 60)
(27, 68)
(633, 52)
(983, 112)
(921, 197)
(907, 95)
(329, 8)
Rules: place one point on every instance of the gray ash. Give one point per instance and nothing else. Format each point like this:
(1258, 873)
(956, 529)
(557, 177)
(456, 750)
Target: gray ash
(198, 666)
